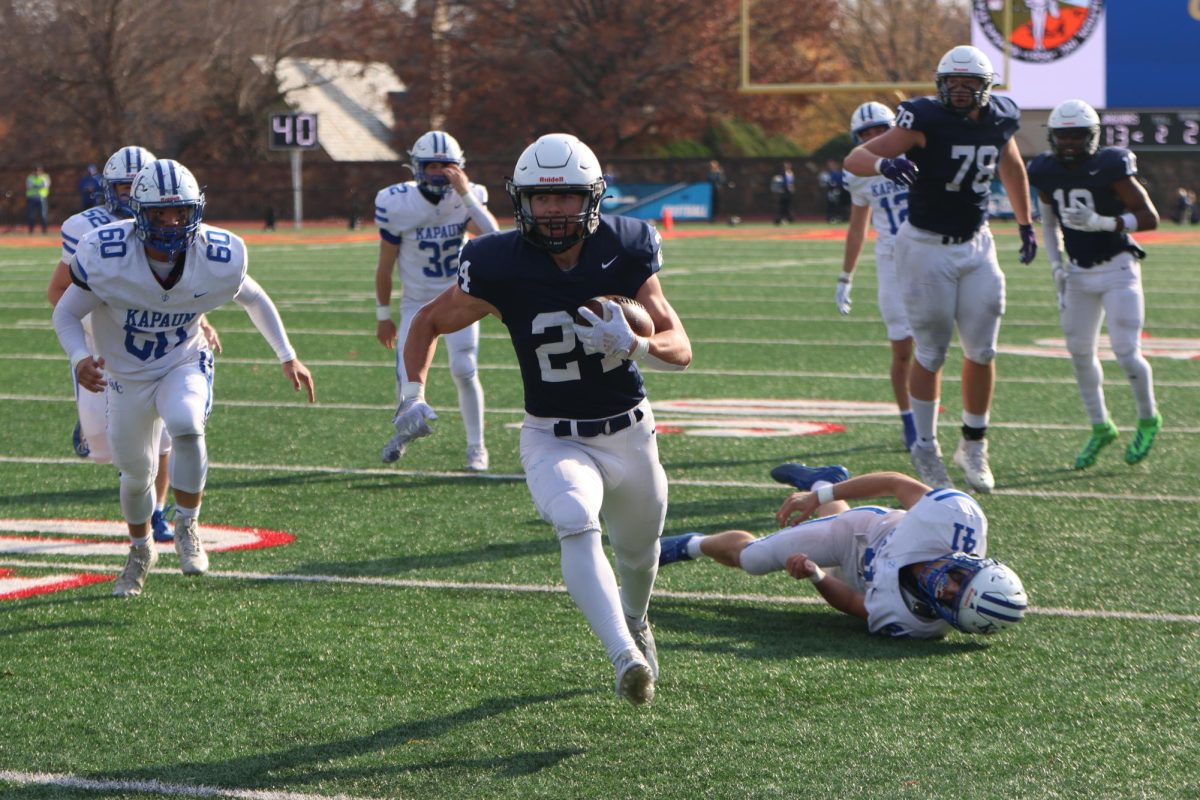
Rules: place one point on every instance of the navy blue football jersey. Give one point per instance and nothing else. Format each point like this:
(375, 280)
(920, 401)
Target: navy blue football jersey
(537, 302)
(957, 163)
(1090, 183)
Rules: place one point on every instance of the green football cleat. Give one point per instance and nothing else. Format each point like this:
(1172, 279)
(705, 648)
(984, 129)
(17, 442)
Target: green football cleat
(1103, 434)
(1143, 440)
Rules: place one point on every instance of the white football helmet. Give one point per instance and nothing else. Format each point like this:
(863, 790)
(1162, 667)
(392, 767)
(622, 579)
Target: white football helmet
(990, 596)
(166, 184)
(1074, 115)
(965, 60)
(120, 169)
(870, 115)
(435, 147)
(560, 163)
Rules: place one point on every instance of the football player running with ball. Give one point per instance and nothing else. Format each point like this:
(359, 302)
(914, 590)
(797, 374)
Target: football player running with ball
(422, 225)
(588, 442)
(956, 143)
(1093, 193)
(146, 282)
(915, 572)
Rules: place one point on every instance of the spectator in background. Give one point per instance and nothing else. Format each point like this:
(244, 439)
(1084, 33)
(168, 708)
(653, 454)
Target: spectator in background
(37, 197)
(1185, 206)
(784, 185)
(90, 191)
(833, 183)
(716, 179)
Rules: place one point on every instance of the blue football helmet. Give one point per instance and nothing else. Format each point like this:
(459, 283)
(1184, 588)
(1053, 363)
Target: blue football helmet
(969, 61)
(166, 184)
(435, 147)
(559, 163)
(990, 596)
(870, 115)
(120, 169)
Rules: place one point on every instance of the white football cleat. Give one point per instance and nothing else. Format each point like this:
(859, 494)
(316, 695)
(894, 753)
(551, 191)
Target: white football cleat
(192, 558)
(477, 458)
(929, 466)
(137, 567)
(635, 680)
(972, 456)
(643, 637)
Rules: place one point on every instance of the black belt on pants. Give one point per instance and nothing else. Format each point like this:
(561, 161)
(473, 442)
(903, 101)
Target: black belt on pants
(957, 239)
(597, 427)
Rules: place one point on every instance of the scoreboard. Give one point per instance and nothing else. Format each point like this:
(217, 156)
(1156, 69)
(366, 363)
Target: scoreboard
(1150, 130)
(294, 131)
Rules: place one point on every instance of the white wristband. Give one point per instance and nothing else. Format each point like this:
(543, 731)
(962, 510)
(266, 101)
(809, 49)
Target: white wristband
(816, 575)
(878, 164)
(383, 313)
(825, 494)
(467, 198)
(846, 277)
(1130, 221)
(640, 349)
(410, 390)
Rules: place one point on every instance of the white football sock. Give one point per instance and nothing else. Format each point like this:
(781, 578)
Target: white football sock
(925, 414)
(593, 586)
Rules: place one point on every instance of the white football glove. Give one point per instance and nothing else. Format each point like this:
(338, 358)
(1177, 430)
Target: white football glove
(843, 297)
(1060, 285)
(1081, 218)
(611, 336)
(412, 421)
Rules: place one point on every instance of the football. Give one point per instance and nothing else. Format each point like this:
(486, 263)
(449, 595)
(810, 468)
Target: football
(635, 313)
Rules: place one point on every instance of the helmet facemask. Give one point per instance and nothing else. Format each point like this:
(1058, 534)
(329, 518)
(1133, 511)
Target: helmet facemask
(973, 594)
(167, 184)
(575, 227)
(979, 97)
(1073, 145)
(435, 147)
(118, 173)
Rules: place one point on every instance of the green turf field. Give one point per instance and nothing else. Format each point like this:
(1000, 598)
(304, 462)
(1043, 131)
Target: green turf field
(413, 640)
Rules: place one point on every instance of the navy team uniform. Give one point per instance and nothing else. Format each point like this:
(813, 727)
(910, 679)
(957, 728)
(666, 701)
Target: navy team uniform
(537, 302)
(588, 445)
(945, 254)
(1104, 277)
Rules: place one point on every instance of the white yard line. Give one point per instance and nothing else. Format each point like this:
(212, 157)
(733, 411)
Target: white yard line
(68, 781)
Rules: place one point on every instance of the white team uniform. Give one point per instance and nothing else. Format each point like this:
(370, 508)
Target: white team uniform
(889, 208)
(93, 406)
(870, 545)
(430, 237)
(157, 361)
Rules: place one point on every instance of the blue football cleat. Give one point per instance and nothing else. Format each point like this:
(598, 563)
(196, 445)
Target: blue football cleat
(159, 527)
(78, 442)
(674, 548)
(803, 477)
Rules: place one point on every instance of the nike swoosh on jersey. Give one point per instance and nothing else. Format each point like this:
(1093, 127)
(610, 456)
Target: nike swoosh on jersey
(199, 294)
(608, 263)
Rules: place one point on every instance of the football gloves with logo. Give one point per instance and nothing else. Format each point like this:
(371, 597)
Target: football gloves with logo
(1081, 218)
(843, 295)
(898, 170)
(1028, 243)
(611, 336)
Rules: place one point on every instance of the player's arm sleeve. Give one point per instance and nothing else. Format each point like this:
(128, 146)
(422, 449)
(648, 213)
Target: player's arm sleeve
(1051, 235)
(75, 304)
(265, 317)
(476, 202)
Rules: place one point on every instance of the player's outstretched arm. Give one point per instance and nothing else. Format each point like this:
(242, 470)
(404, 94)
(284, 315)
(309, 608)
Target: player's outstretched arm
(385, 328)
(298, 375)
(864, 159)
(257, 304)
(856, 235)
(836, 592)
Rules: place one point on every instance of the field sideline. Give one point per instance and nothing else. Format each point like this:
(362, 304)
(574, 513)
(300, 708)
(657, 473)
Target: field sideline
(411, 639)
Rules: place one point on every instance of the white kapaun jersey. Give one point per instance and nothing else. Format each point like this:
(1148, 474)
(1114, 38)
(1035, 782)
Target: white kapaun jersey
(429, 235)
(77, 225)
(142, 328)
(888, 202)
(943, 521)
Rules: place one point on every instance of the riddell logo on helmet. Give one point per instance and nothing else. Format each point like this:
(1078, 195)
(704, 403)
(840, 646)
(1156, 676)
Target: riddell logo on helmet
(553, 179)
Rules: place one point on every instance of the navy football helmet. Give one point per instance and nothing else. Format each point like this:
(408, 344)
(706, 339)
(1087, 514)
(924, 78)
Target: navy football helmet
(990, 597)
